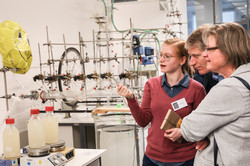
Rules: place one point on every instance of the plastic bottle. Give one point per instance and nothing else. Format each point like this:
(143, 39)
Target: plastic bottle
(50, 126)
(11, 140)
(36, 130)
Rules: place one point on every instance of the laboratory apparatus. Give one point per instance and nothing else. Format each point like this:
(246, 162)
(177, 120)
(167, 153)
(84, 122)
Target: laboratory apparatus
(117, 131)
(52, 131)
(50, 126)
(36, 135)
(11, 140)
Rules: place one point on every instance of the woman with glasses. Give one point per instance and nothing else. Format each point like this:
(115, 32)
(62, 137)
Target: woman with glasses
(224, 115)
(173, 90)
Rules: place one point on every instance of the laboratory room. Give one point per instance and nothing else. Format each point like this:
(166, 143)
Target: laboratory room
(114, 82)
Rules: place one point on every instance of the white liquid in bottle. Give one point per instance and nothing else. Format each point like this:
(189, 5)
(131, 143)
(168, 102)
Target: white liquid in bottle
(11, 140)
(50, 126)
(36, 130)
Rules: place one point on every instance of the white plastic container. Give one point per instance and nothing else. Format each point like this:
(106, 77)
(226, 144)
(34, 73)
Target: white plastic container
(50, 126)
(11, 140)
(36, 134)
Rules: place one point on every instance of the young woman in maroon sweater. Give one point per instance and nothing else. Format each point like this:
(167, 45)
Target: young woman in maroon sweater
(173, 90)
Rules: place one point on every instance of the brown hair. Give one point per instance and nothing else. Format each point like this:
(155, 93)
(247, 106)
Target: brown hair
(181, 52)
(195, 38)
(233, 41)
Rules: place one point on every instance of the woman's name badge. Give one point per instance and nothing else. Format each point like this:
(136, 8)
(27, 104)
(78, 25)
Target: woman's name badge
(179, 104)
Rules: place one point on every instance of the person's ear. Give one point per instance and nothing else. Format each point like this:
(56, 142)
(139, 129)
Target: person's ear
(183, 60)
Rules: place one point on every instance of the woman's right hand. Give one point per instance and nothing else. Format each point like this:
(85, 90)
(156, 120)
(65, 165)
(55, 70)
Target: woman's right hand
(124, 91)
(173, 134)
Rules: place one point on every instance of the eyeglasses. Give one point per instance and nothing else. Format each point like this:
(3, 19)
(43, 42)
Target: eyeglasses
(166, 57)
(212, 48)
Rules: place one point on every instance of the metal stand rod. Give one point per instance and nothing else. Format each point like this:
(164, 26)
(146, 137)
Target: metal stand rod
(40, 59)
(49, 47)
(66, 57)
(5, 89)
(136, 130)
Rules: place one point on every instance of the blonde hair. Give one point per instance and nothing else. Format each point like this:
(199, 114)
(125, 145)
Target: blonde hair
(181, 52)
(233, 41)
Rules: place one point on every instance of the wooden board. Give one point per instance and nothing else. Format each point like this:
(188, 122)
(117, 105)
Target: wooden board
(104, 110)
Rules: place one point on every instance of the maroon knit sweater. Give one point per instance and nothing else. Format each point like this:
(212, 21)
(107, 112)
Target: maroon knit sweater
(154, 106)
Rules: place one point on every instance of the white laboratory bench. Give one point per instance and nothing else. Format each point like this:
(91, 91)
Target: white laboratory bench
(87, 157)
(83, 157)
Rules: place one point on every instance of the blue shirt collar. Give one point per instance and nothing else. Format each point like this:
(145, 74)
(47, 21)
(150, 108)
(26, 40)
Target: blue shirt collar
(217, 77)
(183, 82)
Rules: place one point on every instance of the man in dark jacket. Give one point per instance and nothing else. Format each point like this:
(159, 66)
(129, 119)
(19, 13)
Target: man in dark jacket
(196, 48)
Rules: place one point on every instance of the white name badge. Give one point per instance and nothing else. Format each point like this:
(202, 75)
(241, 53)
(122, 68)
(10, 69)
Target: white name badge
(179, 104)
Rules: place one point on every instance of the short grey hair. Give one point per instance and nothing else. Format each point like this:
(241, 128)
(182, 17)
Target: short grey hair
(195, 38)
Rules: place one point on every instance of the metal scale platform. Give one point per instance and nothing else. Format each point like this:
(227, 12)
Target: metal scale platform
(49, 155)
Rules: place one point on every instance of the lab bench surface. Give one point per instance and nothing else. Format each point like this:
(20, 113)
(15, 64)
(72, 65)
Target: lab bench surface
(87, 157)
